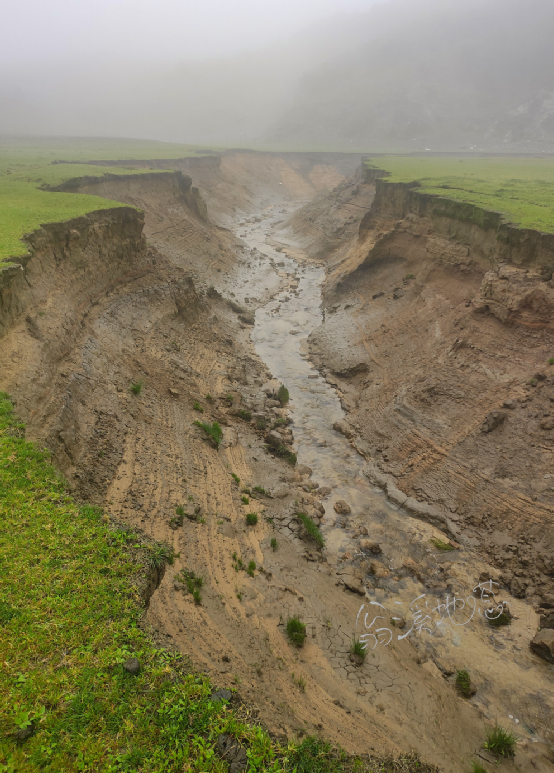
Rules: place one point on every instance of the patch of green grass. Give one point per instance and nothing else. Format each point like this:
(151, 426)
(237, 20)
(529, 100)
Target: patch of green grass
(213, 431)
(180, 510)
(245, 415)
(136, 387)
(463, 683)
(70, 608)
(261, 490)
(521, 189)
(357, 648)
(209, 399)
(198, 407)
(442, 545)
(476, 767)
(244, 499)
(238, 563)
(260, 424)
(193, 583)
(500, 742)
(251, 519)
(283, 395)
(296, 631)
(235, 478)
(274, 544)
(551, 361)
(287, 455)
(251, 568)
(312, 529)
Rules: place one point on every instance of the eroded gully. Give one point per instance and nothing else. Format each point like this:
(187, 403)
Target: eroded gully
(444, 619)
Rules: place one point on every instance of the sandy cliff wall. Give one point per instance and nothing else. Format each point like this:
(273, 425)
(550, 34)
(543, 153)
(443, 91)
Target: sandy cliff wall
(489, 239)
(81, 258)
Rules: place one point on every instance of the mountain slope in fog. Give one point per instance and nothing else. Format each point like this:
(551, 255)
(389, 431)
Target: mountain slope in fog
(441, 75)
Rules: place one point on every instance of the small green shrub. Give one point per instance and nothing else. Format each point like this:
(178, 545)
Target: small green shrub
(198, 407)
(261, 424)
(136, 387)
(463, 683)
(213, 431)
(504, 618)
(245, 415)
(229, 399)
(251, 519)
(193, 583)
(296, 631)
(238, 563)
(235, 478)
(260, 490)
(245, 500)
(551, 361)
(476, 767)
(441, 545)
(273, 544)
(251, 568)
(299, 682)
(311, 528)
(280, 421)
(533, 382)
(500, 742)
(283, 395)
(409, 276)
(209, 399)
(284, 453)
(180, 510)
(357, 648)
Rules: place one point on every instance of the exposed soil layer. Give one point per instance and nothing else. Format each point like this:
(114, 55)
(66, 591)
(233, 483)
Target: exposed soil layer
(103, 303)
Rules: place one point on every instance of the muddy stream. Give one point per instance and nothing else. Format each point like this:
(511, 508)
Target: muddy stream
(435, 605)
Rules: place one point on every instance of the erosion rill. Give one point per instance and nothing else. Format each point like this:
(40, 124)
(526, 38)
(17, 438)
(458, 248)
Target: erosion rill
(414, 339)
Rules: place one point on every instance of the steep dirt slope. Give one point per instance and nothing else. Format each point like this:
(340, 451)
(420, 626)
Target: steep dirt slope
(439, 338)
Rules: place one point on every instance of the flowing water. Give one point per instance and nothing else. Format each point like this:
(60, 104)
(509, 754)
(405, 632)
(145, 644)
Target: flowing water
(514, 679)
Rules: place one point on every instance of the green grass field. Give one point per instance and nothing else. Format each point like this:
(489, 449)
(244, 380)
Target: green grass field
(521, 189)
(26, 167)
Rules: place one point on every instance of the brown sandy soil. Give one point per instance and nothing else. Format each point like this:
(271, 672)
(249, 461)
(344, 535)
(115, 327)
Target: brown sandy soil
(444, 369)
(82, 337)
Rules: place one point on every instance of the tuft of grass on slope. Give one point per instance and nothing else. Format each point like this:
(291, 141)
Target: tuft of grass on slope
(521, 189)
(213, 432)
(70, 608)
(312, 529)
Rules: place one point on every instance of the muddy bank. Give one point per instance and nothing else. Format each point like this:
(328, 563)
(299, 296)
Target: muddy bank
(440, 351)
(183, 331)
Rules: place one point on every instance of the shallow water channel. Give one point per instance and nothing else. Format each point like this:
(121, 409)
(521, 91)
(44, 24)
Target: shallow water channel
(512, 679)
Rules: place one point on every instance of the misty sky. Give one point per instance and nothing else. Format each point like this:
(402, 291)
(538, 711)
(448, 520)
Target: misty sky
(154, 29)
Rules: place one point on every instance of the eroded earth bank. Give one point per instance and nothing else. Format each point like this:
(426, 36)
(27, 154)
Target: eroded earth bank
(415, 348)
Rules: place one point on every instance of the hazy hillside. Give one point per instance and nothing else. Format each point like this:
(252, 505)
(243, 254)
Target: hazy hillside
(442, 75)
(403, 75)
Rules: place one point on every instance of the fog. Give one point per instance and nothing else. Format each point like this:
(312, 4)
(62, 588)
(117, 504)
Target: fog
(359, 74)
